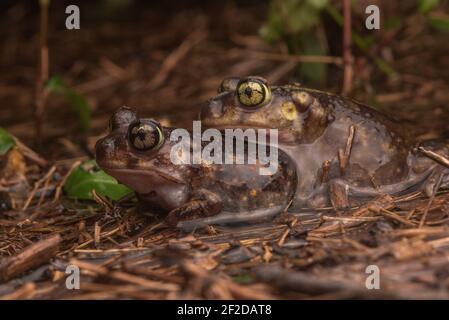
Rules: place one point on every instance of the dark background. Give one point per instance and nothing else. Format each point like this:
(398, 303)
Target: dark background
(116, 58)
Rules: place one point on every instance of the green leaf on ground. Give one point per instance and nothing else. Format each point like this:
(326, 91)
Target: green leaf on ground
(87, 177)
(6, 141)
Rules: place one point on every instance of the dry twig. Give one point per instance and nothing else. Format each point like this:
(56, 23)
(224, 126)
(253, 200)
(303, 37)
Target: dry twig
(33, 256)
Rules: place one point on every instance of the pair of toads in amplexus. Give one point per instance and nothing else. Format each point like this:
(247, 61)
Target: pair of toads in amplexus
(332, 152)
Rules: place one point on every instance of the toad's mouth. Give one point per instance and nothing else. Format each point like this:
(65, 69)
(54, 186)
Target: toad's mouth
(143, 181)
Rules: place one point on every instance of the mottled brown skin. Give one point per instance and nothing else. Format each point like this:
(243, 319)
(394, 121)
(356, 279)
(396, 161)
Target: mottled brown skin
(313, 126)
(190, 192)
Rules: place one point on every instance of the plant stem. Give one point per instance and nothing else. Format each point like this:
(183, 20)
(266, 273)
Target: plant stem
(42, 77)
(347, 54)
(362, 44)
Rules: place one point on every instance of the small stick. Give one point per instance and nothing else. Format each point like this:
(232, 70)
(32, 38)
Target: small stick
(36, 186)
(343, 156)
(284, 235)
(434, 192)
(411, 214)
(326, 167)
(97, 234)
(339, 196)
(125, 277)
(418, 232)
(24, 292)
(396, 217)
(226, 288)
(434, 156)
(30, 154)
(46, 185)
(33, 256)
(63, 181)
(262, 55)
(102, 201)
(287, 230)
(267, 254)
(347, 55)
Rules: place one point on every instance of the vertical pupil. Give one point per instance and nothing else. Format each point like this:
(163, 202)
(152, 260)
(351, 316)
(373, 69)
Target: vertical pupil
(141, 134)
(248, 92)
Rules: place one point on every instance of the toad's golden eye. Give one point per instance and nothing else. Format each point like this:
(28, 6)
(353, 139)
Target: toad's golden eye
(145, 135)
(253, 92)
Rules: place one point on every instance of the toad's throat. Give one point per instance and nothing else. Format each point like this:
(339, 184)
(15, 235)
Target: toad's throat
(137, 179)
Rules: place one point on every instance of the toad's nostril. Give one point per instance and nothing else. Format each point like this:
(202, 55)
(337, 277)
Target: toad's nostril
(213, 109)
(104, 146)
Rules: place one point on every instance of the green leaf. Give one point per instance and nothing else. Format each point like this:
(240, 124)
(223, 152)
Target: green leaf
(427, 5)
(385, 67)
(6, 141)
(302, 17)
(269, 33)
(55, 84)
(288, 18)
(87, 177)
(319, 4)
(312, 72)
(77, 101)
(439, 22)
(81, 107)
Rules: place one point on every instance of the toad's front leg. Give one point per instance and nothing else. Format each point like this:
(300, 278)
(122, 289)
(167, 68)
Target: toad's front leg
(203, 203)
